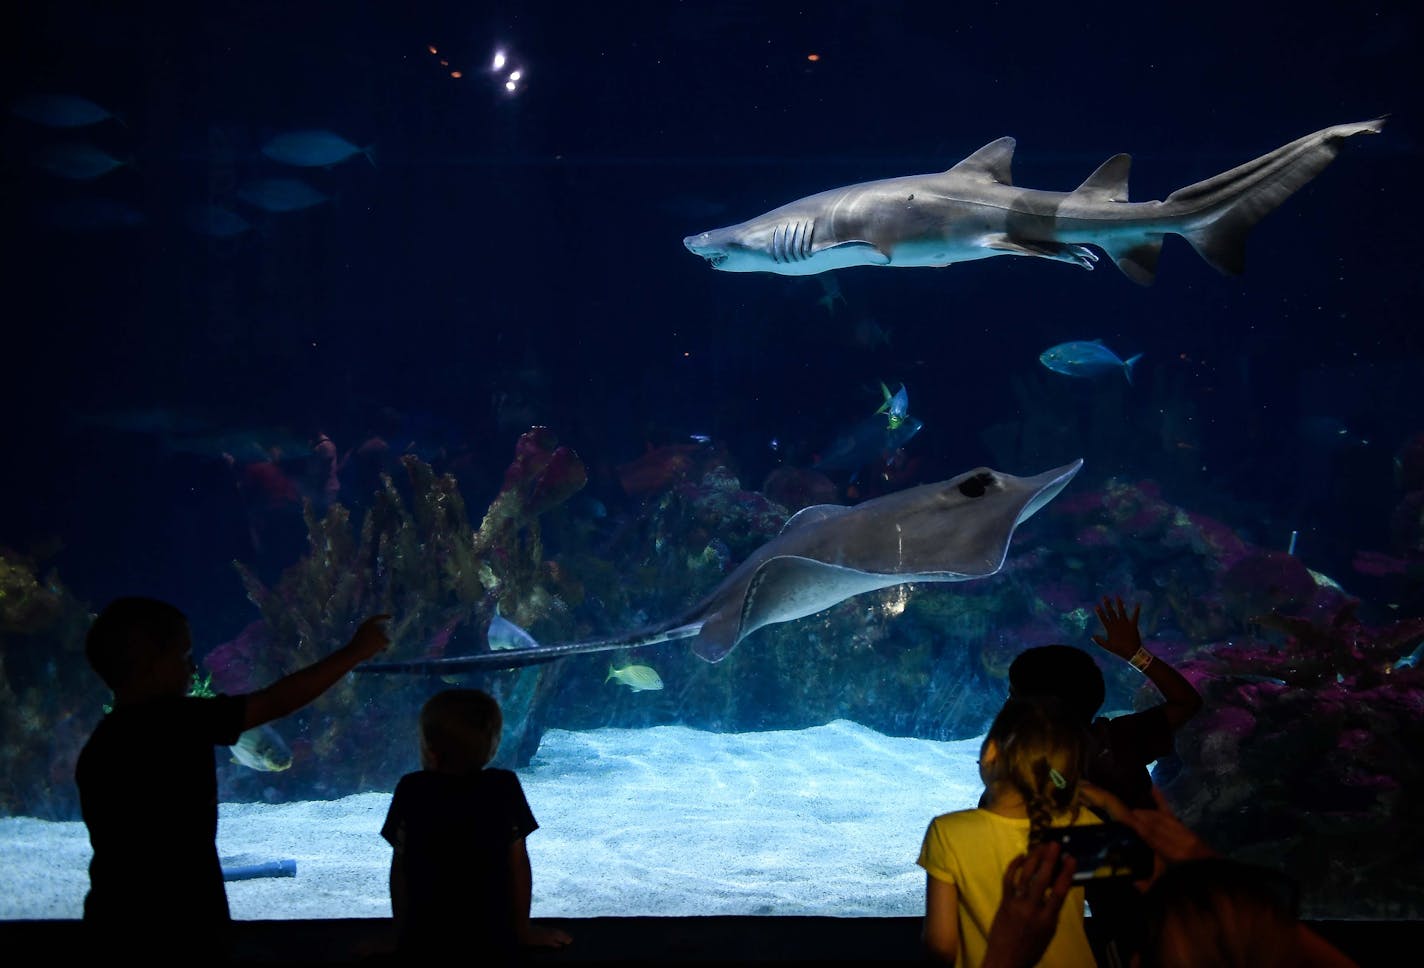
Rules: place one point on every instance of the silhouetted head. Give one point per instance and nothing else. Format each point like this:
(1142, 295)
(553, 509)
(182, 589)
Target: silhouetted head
(1036, 748)
(459, 730)
(1219, 911)
(141, 647)
(1059, 672)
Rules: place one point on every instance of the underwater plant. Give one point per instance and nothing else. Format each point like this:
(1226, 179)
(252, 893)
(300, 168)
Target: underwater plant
(49, 697)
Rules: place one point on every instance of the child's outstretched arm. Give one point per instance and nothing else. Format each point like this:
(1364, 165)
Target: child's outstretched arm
(294, 691)
(1123, 640)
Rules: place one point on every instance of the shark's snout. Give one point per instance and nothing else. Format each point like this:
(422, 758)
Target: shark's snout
(702, 244)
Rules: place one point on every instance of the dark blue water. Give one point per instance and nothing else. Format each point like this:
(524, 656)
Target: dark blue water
(535, 239)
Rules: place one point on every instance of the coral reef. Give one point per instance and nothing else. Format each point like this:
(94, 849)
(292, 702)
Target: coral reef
(49, 698)
(418, 559)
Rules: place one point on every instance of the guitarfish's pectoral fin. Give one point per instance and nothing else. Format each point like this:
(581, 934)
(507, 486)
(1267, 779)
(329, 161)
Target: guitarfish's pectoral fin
(1078, 255)
(719, 635)
(784, 588)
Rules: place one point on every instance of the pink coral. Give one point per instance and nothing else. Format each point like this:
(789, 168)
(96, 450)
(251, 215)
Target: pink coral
(236, 665)
(1266, 581)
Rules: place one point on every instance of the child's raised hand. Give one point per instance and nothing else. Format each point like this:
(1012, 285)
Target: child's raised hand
(1122, 638)
(371, 636)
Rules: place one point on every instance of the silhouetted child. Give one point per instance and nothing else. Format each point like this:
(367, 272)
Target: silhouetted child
(148, 780)
(460, 876)
(1120, 748)
(1031, 763)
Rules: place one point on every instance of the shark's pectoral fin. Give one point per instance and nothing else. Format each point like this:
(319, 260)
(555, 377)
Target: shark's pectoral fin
(868, 253)
(1077, 255)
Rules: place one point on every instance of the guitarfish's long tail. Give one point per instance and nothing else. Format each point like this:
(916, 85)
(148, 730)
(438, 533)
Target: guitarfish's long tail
(519, 658)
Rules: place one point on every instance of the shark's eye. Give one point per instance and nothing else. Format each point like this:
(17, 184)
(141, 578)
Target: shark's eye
(976, 486)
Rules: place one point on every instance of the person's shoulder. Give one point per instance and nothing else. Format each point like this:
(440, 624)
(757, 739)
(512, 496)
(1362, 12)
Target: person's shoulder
(416, 779)
(972, 818)
(497, 779)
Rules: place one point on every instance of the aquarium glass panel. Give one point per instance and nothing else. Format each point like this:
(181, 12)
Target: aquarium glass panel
(732, 391)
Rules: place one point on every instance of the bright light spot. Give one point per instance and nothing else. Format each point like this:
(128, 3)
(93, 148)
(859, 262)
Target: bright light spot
(898, 599)
(457, 73)
(499, 61)
(431, 48)
(516, 76)
(510, 86)
(813, 57)
(444, 62)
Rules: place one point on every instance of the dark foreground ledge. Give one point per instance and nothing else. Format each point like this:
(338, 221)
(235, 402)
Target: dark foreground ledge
(664, 940)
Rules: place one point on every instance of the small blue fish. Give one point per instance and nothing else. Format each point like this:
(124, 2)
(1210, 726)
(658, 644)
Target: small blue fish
(216, 222)
(504, 634)
(60, 110)
(76, 161)
(867, 442)
(281, 194)
(314, 149)
(88, 215)
(1086, 359)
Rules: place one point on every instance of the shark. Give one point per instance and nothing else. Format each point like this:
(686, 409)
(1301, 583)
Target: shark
(974, 211)
(951, 531)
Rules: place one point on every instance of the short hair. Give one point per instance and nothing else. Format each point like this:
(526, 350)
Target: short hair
(126, 635)
(1221, 911)
(1059, 672)
(458, 727)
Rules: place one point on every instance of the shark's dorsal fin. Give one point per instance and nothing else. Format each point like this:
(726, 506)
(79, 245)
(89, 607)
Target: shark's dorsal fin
(1108, 183)
(813, 514)
(993, 161)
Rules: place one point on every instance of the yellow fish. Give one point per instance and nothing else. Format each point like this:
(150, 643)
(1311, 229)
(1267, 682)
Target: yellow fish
(636, 677)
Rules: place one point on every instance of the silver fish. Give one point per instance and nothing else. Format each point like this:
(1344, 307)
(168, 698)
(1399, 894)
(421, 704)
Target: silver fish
(262, 748)
(504, 634)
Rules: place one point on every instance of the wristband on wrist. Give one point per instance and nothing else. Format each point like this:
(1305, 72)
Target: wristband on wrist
(1141, 659)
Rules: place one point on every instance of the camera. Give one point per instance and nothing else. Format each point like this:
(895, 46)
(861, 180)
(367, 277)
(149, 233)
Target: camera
(1104, 850)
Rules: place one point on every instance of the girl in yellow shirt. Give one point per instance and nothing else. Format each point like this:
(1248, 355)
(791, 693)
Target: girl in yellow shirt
(1031, 764)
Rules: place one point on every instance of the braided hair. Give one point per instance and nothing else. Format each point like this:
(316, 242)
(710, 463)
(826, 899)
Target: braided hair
(1041, 752)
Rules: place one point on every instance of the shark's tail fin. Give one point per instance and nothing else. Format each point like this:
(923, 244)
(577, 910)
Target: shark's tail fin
(1236, 200)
